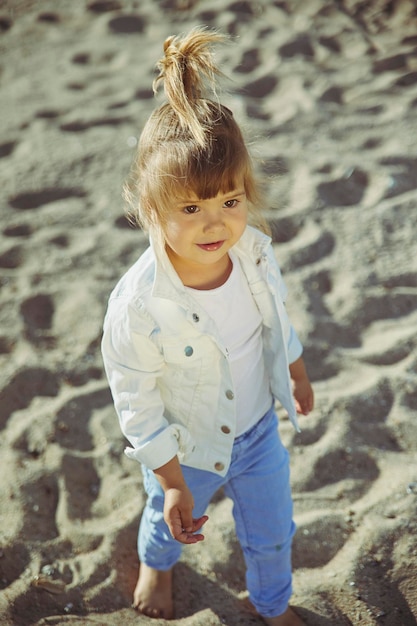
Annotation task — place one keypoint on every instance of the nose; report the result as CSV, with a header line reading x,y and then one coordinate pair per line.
x,y
214,220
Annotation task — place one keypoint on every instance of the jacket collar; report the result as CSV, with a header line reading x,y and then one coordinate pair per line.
x,y
167,284
252,244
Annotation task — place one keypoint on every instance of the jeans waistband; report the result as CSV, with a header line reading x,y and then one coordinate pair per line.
x,y
257,428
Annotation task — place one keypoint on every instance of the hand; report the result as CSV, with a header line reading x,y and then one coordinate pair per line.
x,y
179,503
178,509
303,396
302,389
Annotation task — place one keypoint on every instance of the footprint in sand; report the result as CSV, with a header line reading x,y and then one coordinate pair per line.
x,y
26,384
402,175
29,200
12,258
18,230
328,534
299,46
354,470
104,6
37,313
284,229
82,485
49,17
346,191
14,562
39,508
7,148
79,126
249,62
380,306
127,24
377,583
367,414
5,23
320,247
71,433
6,345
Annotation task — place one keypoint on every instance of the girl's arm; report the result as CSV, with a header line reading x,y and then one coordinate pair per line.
x,y
134,365
179,503
302,390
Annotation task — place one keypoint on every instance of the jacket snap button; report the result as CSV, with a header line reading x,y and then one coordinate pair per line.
x,y
225,430
229,394
219,466
188,351
196,318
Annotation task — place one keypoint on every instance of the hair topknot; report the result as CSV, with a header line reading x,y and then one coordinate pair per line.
x,y
189,75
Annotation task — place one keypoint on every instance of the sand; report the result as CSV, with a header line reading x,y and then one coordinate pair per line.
x,y
327,94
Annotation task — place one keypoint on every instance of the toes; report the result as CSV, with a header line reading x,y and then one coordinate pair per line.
x,y
147,610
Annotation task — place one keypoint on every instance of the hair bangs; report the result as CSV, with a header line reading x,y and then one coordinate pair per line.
x,y
204,173
216,172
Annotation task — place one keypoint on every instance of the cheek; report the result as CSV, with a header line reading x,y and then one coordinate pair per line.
x,y
171,230
176,235
242,222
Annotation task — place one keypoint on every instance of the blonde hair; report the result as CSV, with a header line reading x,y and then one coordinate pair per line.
x,y
191,143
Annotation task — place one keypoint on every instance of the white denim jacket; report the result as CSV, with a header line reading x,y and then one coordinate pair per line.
x,y
168,369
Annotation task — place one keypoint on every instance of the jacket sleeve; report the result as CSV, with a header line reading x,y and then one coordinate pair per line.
x,y
134,367
294,346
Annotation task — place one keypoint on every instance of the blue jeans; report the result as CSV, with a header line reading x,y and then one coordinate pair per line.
x,y
258,484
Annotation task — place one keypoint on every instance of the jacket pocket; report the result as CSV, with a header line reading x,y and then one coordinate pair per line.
x,y
186,375
187,352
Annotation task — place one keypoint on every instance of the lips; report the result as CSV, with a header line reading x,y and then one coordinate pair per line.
x,y
211,247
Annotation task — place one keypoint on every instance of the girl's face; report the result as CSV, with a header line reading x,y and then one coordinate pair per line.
x,y
199,234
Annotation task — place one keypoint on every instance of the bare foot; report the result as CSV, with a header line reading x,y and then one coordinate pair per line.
x,y
289,618
153,593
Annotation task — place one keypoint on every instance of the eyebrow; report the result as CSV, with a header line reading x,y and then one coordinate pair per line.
x,y
236,192
228,195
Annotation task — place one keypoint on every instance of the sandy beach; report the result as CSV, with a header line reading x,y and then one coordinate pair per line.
x,y
326,92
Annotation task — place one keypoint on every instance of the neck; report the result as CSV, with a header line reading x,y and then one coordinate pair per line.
x,y
202,277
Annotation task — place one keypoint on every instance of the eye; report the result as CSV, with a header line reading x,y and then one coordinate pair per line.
x,y
231,204
190,210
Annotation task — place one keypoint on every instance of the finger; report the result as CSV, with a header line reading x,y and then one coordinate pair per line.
x,y
303,406
309,404
176,530
189,538
175,524
187,520
192,536
306,409
199,522
182,533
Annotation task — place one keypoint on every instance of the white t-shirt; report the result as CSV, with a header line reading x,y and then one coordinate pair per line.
x,y
239,323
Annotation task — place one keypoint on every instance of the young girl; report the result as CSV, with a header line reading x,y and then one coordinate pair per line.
x,y
197,344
